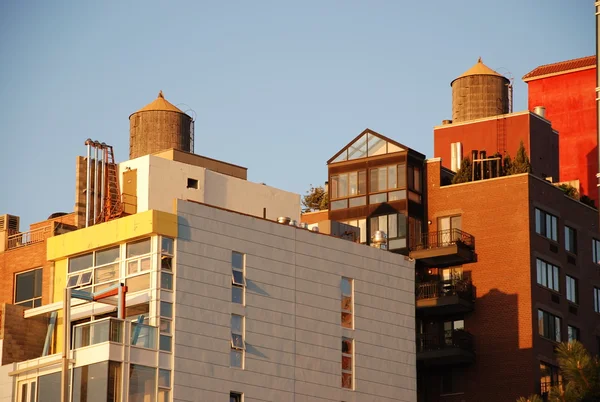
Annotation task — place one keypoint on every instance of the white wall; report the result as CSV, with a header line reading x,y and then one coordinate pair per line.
x,y
6,383
160,181
293,308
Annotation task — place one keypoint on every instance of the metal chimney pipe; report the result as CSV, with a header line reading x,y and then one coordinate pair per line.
x,y
97,177
104,158
88,142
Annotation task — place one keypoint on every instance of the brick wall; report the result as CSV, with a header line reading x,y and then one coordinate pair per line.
x,y
496,213
22,339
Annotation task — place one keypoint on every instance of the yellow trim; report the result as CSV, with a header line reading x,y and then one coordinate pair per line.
x,y
112,232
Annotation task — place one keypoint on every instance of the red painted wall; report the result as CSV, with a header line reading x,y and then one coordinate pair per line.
x,y
571,107
540,142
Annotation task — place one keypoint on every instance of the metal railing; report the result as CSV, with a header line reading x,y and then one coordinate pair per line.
x,y
26,238
443,238
431,290
455,339
113,330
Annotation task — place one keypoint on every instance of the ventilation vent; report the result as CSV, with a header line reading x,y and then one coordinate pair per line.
x,y
554,248
9,223
571,259
573,310
556,299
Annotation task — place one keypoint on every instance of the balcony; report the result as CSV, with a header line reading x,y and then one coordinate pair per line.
x,y
446,348
445,297
444,248
113,330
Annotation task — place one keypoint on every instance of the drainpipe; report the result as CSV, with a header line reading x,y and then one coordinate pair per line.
x,y
88,143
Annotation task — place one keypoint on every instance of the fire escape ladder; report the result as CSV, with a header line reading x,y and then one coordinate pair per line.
x,y
113,206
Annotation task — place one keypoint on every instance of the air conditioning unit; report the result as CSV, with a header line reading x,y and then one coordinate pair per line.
x,y
9,223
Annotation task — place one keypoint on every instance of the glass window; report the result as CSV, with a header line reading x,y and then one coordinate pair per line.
x,y
347,362
374,179
377,146
166,309
377,198
235,397
49,387
142,383
339,204
166,281
596,251
357,201
596,300
107,256
572,291
165,343
417,179
392,181
97,382
81,262
397,195
401,176
237,341
549,377
334,181
353,180
347,303
238,280
343,185
138,283
358,149
549,326
572,333
570,240
164,378
167,246
28,288
547,275
546,224
362,182
138,248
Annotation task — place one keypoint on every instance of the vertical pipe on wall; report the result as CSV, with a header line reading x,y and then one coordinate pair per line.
x,y
96,178
104,153
88,198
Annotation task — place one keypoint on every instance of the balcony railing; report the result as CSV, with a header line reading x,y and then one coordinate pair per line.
x,y
457,339
432,290
112,330
26,238
443,238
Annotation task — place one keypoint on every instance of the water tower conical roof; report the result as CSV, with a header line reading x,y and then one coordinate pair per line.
x,y
160,104
478,69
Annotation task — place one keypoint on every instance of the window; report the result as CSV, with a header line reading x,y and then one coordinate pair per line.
x,y
572,333
238,345
97,382
138,263
394,225
166,263
546,224
596,251
570,240
235,397
164,385
547,275
387,178
549,377
49,387
192,183
414,178
549,325
452,381
349,184
596,300
347,363
28,288
572,289
347,303
362,225
165,342
26,391
448,229
238,279
142,383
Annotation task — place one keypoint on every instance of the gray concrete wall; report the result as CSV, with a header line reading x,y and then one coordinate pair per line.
x,y
293,313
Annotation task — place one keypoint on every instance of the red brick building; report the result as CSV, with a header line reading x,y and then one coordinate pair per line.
x,y
506,271
567,92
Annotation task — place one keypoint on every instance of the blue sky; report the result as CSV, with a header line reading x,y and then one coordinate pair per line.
x,y
277,86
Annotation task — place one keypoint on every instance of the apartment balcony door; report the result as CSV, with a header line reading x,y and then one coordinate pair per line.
x,y
446,226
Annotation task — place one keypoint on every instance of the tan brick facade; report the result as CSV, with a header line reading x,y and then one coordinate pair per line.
x,y
22,339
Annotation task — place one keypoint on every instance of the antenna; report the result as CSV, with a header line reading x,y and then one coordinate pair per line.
x,y
511,80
